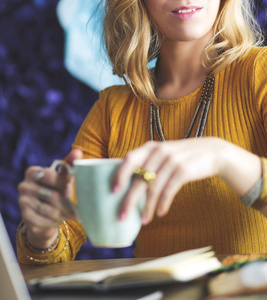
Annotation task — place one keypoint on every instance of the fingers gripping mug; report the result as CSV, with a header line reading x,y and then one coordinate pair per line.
x,y
98,207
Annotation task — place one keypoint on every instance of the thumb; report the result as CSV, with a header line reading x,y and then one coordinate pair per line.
x,y
64,171
75,153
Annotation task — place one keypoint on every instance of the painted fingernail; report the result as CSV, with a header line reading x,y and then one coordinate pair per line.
x,y
123,216
160,212
144,220
116,189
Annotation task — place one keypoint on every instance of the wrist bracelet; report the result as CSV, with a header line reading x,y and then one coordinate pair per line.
x,y
253,194
36,249
49,259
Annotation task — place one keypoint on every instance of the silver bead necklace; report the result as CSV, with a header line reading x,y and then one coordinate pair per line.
x,y
202,110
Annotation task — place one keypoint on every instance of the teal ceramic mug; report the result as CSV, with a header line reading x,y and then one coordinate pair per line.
x,y
98,207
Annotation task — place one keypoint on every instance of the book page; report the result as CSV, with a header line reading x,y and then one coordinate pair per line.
x,y
165,267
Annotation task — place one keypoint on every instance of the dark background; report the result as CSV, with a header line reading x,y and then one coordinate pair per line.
x,y
41,105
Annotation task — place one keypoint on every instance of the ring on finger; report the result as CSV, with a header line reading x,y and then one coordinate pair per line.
x,y
40,209
44,195
147,176
39,175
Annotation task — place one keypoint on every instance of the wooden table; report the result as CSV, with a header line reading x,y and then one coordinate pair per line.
x,y
192,291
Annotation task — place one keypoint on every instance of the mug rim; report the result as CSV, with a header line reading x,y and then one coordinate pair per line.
x,y
96,161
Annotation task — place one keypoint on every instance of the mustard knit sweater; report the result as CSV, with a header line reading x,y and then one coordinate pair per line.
x,y
205,212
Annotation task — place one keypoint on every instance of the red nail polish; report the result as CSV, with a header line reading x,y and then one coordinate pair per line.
x,y
144,220
160,212
116,189
123,216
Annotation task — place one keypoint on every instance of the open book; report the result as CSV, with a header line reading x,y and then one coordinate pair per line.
x,y
180,267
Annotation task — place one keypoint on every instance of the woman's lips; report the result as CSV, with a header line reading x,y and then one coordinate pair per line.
x,y
186,12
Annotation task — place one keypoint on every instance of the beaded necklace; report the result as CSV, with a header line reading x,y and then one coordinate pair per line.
x,y
202,109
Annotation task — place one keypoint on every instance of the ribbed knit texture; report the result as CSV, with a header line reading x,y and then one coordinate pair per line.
x,y
205,212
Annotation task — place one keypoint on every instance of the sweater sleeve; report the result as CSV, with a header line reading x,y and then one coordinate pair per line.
x,y
93,135
260,84
72,237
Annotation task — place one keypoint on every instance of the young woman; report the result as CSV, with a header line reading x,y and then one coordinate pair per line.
x,y
197,122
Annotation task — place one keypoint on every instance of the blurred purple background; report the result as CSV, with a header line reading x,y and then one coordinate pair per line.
x,y
41,105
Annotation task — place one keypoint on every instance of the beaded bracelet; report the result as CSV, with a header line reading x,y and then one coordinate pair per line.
x,y
45,250
39,250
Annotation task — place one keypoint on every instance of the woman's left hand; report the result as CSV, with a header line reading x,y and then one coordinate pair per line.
x,y
177,163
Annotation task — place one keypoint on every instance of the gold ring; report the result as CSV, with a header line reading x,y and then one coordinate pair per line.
x,y
44,195
147,176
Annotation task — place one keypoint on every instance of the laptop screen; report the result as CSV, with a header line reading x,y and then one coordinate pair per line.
x,y
12,284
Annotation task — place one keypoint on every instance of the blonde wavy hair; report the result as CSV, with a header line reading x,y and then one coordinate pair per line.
x,y
132,41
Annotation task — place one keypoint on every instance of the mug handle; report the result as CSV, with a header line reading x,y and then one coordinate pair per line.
x,y
56,166
58,163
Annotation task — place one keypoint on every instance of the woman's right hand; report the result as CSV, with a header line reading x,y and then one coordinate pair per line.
x,y
43,199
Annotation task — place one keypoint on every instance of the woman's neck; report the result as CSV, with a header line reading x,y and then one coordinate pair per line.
x,y
179,70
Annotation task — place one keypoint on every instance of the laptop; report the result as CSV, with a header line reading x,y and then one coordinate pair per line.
x,y
13,286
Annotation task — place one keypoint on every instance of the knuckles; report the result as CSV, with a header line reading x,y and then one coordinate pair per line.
x,y
128,158
150,143
22,187
30,171
160,149
171,159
